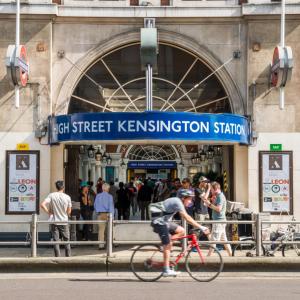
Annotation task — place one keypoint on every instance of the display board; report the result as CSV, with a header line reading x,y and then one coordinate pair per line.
x,y
22,182
276,182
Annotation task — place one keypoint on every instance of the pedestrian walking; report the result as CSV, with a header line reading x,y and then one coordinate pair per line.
x,y
132,191
86,210
144,199
123,202
58,206
202,193
218,206
113,191
104,204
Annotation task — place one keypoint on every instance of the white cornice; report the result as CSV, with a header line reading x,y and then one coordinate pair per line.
x,y
142,12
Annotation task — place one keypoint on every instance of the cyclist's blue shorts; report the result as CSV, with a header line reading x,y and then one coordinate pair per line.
x,y
164,231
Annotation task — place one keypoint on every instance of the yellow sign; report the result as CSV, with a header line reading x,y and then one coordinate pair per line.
x,y
22,146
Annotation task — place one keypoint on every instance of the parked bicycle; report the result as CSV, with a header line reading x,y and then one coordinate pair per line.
x,y
147,260
280,235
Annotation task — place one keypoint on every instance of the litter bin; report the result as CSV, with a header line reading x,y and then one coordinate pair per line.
x,y
245,229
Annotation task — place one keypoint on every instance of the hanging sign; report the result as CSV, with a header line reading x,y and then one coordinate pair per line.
x,y
22,182
276,186
151,126
282,66
17,65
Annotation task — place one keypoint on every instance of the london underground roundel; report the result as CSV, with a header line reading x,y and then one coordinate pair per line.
x,y
277,66
22,71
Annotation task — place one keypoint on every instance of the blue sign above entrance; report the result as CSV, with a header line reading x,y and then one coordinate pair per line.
x,y
141,164
150,126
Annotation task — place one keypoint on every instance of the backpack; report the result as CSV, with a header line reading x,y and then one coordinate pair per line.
x,y
157,210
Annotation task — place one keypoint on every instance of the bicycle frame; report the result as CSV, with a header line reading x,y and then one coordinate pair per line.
x,y
193,243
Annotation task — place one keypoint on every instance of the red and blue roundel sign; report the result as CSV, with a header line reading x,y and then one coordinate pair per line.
x,y
22,66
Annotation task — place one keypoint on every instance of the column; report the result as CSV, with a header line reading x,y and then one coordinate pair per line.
x,y
93,173
85,171
103,173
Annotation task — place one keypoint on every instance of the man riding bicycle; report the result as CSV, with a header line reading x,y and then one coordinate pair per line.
x,y
161,216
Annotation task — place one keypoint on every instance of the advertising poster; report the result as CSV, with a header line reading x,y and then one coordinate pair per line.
x,y
276,191
22,182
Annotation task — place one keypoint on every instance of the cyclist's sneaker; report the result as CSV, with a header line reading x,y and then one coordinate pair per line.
x,y
194,249
170,273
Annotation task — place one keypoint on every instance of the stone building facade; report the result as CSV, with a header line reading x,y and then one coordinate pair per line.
x,y
65,39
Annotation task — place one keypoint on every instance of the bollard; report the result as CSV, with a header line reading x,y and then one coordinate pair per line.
x,y
258,236
33,235
184,241
109,235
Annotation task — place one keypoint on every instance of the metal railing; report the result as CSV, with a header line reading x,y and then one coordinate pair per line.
x,y
16,243
110,241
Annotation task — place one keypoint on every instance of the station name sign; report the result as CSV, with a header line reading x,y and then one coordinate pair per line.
x,y
154,125
141,164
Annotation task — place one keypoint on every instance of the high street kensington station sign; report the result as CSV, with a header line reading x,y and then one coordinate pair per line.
x,y
151,126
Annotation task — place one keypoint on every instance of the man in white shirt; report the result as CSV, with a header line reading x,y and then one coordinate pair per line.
x,y
58,206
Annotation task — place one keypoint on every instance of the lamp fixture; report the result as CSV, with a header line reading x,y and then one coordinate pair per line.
x,y
104,158
91,152
202,155
81,149
98,155
210,152
122,164
109,160
217,150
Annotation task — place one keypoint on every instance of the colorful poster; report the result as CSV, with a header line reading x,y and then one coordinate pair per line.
x,y
276,182
22,184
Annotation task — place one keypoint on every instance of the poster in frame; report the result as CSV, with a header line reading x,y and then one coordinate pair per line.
x,y
22,182
276,182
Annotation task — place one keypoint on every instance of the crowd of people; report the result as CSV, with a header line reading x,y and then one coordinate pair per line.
x,y
131,201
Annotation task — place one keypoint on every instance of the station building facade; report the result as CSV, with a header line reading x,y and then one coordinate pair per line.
x,y
214,57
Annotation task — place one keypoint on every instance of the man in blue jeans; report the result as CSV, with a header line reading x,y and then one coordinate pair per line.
x,y
161,216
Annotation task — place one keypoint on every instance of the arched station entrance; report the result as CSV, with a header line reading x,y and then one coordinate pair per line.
x,y
115,83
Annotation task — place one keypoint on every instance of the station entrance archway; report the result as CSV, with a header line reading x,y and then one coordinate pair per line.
x,y
115,83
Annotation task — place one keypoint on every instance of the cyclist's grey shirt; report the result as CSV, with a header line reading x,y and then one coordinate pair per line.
x,y
166,209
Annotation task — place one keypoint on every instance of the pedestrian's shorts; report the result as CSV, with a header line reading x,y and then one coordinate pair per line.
x,y
164,231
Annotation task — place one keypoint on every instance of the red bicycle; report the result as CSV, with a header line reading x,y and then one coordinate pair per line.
x,y
147,260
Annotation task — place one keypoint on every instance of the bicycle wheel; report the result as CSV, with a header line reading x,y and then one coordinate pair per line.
x,y
238,250
147,262
204,268
296,247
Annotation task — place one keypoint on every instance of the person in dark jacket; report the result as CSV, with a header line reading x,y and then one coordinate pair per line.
x,y
86,210
123,202
144,199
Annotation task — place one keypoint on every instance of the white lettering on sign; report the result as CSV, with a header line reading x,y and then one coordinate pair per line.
x,y
229,128
93,126
152,126
63,128
162,126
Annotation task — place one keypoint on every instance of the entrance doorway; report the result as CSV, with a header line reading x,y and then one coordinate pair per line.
x,y
115,83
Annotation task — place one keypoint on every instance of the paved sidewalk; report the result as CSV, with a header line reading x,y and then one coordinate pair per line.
x,y
90,258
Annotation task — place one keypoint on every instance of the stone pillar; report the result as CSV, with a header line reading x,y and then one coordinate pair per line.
x,y
93,173
57,165
103,173
241,174
85,171
80,168
98,171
